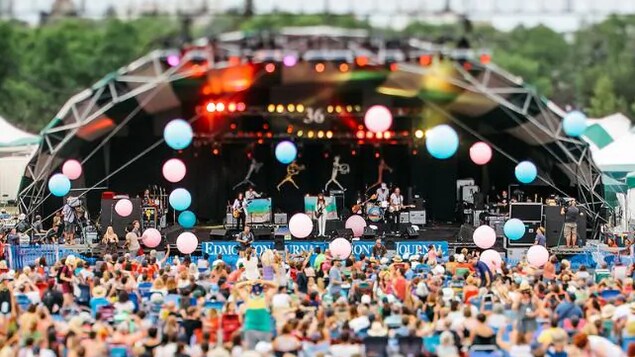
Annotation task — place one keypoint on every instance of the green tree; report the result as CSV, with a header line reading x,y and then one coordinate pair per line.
x,y
604,100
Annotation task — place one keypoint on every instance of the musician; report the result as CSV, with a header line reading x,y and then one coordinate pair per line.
x,y
396,204
383,193
239,209
147,199
503,202
251,194
320,214
245,239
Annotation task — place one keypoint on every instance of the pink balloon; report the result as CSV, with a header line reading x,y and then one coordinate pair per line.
x,y
72,169
537,255
480,153
484,237
174,170
300,225
378,119
340,248
186,242
357,224
492,258
123,207
151,237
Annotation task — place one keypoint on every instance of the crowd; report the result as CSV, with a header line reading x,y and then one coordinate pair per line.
x,y
277,304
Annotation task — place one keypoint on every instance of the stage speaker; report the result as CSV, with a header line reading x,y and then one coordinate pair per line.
x,y
528,238
369,233
412,233
110,218
218,234
465,233
332,225
554,224
404,217
526,212
419,203
262,233
344,233
479,200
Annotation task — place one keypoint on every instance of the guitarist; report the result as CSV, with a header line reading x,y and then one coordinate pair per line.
x,y
244,239
239,210
320,214
396,204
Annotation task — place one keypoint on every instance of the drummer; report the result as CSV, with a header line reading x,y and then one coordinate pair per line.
x,y
382,195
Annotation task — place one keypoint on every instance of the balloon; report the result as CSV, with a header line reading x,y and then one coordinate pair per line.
x,y
186,242
514,229
378,119
300,225
180,199
526,172
484,237
286,152
178,134
574,123
340,248
187,219
537,255
357,224
492,258
123,207
72,169
174,170
442,141
59,185
480,153
151,237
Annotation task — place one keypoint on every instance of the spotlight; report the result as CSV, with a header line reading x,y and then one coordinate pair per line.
x,y
343,67
414,152
210,107
215,151
280,108
425,60
379,135
326,154
220,107
468,66
260,141
329,109
270,67
349,108
300,108
271,108
173,60
419,134
387,135
376,155
329,134
291,108
360,134
231,107
369,135
311,134
338,109
486,58
232,126
361,61
241,107
320,134
353,152
319,67
300,133
289,129
393,67
358,108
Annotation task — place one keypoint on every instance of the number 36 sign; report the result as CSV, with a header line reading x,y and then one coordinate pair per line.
x,y
314,116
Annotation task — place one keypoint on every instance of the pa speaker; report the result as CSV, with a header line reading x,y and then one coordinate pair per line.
x,y
110,218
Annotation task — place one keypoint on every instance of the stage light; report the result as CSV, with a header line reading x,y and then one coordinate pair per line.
x,y
259,134
468,66
394,66
232,126
358,108
329,109
361,61
271,108
343,67
379,135
414,152
320,134
260,141
215,151
360,134
265,126
419,134
234,60
300,133
220,107
353,152
269,135
311,134
173,60
329,134
376,155
486,58
280,108
289,129
241,107
387,135
349,108
425,60
360,127
369,135
326,154
231,107
320,67
300,108
338,109
289,60
210,107
270,67
291,108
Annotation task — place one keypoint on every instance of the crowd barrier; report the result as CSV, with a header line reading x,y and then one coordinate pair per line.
x,y
20,256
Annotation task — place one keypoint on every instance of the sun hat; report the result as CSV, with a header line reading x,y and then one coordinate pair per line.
x,y
99,291
377,330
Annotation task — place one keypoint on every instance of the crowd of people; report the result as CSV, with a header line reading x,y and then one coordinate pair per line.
x,y
278,304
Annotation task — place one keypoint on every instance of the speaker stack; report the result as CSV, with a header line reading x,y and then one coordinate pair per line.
x,y
531,215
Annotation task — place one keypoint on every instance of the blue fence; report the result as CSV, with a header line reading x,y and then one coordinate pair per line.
x,y
21,256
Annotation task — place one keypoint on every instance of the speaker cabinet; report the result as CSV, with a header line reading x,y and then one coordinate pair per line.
x,y
528,238
554,224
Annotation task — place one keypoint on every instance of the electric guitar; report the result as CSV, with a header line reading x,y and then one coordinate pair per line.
x,y
357,208
397,208
319,212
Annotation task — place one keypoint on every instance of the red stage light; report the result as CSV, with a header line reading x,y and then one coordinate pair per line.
x,y
270,67
379,135
486,58
232,126
259,134
361,61
269,135
343,67
376,155
215,151
360,127
260,141
369,135
289,129
387,135
360,134
326,155
210,107
414,151
425,60
319,67
241,107
220,107
393,67
265,126
231,107
353,152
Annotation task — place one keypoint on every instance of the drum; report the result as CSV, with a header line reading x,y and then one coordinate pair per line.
x,y
375,214
368,206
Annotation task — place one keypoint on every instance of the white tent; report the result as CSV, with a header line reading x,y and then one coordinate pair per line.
x,y
612,143
16,148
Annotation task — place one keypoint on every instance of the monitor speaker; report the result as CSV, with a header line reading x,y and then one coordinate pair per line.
x,y
412,233
344,233
262,233
554,223
218,234
369,233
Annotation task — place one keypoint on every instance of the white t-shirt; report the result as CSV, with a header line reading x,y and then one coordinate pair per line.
x,y
345,350
520,351
281,301
382,194
251,268
607,348
359,323
396,200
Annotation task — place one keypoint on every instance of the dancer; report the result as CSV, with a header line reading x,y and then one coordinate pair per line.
x,y
320,214
292,170
253,167
337,169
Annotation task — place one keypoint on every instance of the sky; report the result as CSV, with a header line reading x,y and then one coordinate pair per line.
x,y
503,14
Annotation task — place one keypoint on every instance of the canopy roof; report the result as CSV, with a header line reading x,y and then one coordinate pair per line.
x,y
10,136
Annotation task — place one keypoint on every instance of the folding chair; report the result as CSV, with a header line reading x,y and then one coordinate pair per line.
x,y
376,346
410,346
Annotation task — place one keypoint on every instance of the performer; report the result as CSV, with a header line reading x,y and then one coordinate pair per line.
x,y
503,202
383,193
292,170
396,204
251,194
111,240
253,167
320,214
337,169
570,229
70,221
244,239
239,211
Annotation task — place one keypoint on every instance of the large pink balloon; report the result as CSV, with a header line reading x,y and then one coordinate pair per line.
x,y
357,224
340,248
378,119
123,207
537,255
151,237
480,153
186,242
174,170
492,258
72,169
484,237
300,225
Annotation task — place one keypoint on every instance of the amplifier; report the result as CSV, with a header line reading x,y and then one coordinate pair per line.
x,y
280,218
418,217
230,221
404,217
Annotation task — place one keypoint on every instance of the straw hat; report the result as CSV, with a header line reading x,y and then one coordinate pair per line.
x,y
397,259
608,311
377,330
524,286
3,265
99,291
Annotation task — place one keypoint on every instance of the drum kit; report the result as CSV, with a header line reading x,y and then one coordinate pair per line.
x,y
375,211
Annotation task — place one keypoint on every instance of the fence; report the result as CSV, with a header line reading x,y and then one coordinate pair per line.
x,y
21,256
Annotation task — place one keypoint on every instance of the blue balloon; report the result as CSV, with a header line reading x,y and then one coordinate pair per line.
x,y
187,219
514,229
442,141
59,185
178,134
286,152
574,123
526,172
180,199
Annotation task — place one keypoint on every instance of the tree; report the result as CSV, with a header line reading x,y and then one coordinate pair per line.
x,y
604,100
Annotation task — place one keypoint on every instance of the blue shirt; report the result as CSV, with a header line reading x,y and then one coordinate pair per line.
x,y
567,310
483,270
96,303
335,276
541,240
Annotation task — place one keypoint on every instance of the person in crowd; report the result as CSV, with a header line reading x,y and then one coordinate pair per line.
x,y
540,237
379,249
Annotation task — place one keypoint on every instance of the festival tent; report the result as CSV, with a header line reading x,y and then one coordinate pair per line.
x,y
16,148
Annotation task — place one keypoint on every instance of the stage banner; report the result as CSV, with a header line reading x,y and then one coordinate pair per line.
x,y
421,247
311,201
229,250
259,210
